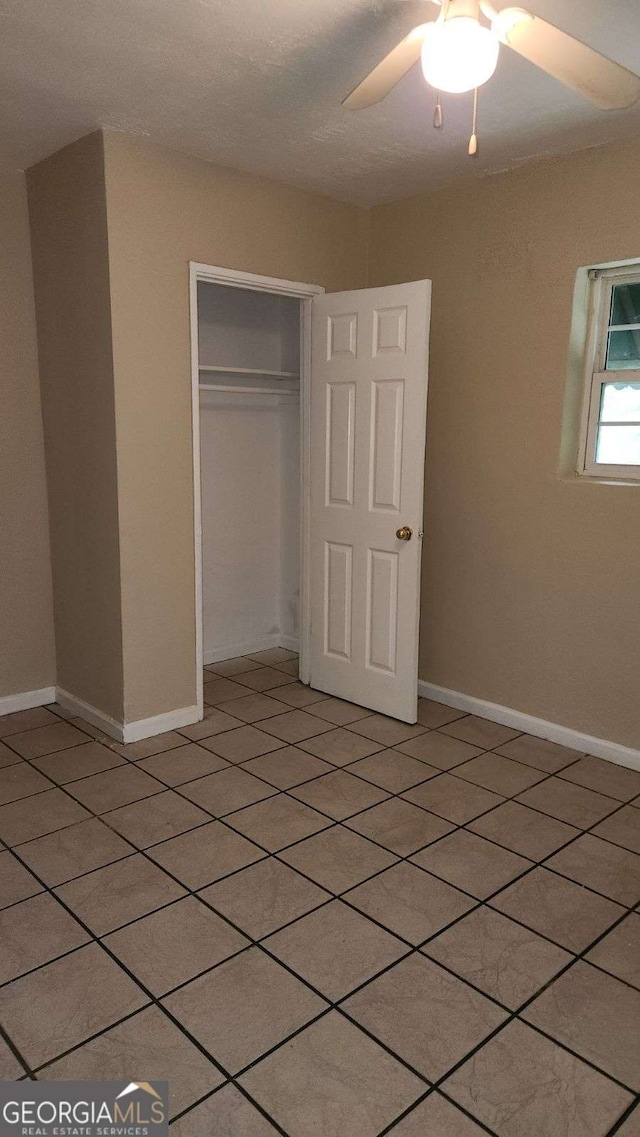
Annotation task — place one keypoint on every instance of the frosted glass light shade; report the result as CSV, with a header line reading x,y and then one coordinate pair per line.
x,y
459,54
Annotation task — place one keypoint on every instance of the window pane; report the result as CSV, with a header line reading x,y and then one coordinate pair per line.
x,y
620,402
623,351
618,445
625,304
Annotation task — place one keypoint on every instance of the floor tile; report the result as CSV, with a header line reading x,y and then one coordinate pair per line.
x,y
295,726
33,817
568,802
33,932
332,1080
523,1085
287,767
385,730
214,722
337,859
426,1016
264,897
81,848
148,1041
335,949
177,943
340,713
290,667
10,1068
114,788
300,695
118,893
277,822
619,951
595,1015
234,666
436,1117
399,826
547,756
438,750
502,775
602,866
340,746
243,1008
226,1113
605,777
242,744
392,771
79,762
411,903
434,715
452,798
182,765
21,781
46,739
272,655
339,794
8,757
623,828
480,732
227,790
532,834
565,912
156,819
62,1004
148,746
471,863
255,706
224,691
503,959
26,720
265,679
16,882
205,854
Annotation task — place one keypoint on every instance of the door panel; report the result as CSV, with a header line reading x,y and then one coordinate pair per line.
x,y
368,422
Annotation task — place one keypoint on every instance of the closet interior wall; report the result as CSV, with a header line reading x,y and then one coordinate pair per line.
x,y
249,366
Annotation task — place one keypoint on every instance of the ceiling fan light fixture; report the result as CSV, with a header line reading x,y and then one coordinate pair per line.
x,y
459,54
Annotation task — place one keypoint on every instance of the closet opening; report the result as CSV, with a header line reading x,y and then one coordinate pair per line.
x,y
250,342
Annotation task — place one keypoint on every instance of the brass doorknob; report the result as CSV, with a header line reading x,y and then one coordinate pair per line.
x,y
404,533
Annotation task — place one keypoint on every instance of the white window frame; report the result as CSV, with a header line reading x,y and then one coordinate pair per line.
x,y
601,283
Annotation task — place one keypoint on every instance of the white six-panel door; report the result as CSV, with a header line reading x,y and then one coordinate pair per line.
x,y
368,422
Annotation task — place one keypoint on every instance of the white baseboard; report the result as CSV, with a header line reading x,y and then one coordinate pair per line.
x,y
248,647
528,724
90,714
128,731
159,724
26,700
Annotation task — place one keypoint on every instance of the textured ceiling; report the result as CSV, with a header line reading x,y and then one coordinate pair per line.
x,y
256,84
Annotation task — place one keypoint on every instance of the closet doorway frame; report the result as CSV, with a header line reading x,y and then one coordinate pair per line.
x,y
235,278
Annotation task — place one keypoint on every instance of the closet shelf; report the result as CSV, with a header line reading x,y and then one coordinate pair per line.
x,y
237,388
249,371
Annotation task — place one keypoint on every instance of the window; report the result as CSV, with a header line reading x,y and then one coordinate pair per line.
x,y
610,439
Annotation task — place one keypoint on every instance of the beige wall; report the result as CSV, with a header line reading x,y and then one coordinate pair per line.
x,y
531,579
165,209
71,274
26,624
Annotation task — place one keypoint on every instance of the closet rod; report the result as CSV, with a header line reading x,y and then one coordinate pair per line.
x,y
246,390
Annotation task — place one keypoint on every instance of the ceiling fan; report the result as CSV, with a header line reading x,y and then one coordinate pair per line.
x,y
459,52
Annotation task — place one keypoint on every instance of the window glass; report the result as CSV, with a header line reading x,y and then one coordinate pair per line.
x,y
618,445
620,402
625,304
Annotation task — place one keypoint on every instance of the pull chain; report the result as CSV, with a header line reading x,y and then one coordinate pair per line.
x,y
473,141
437,115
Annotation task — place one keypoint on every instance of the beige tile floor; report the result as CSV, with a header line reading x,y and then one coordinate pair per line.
x,y
314,920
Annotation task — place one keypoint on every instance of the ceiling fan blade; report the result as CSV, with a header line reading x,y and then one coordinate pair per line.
x,y
579,67
390,71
